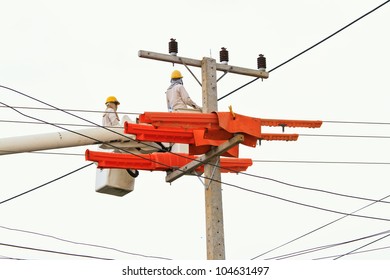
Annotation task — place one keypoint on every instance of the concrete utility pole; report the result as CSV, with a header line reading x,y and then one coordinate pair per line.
x,y
212,173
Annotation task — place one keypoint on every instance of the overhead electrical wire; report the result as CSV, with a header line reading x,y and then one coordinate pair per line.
x,y
321,162
83,243
318,228
370,243
354,253
261,177
329,210
304,204
324,247
47,183
301,135
52,251
309,48
68,110
133,113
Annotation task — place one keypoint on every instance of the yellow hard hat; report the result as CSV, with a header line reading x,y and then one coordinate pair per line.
x,y
112,99
176,74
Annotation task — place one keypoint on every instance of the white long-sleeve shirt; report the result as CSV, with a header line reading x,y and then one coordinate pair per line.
x,y
110,118
178,98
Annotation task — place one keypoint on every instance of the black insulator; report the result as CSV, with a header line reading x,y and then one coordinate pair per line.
x,y
173,47
224,55
261,63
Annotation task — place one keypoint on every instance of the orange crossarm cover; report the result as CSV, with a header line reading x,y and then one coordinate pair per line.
x,y
225,120
279,137
159,161
183,120
146,132
291,123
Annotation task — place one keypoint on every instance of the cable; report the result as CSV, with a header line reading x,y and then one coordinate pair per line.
x,y
29,122
324,247
304,204
372,242
85,125
152,160
132,113
68,110
49,182
97,125
10,258
51,251
308,188
353,253
221,181
322,162
84,244
321,227
313,46
348,136
358,122
199,175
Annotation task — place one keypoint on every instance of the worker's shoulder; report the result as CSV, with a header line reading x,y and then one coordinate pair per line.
x,y
109,110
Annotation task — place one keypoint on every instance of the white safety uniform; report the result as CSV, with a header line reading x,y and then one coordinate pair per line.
x,y
178,98
110,118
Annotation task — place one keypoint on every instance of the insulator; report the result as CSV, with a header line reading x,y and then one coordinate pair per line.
x,y
173,47
224,56
261,62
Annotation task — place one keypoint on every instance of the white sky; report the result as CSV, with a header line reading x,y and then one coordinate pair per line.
x,y
73,54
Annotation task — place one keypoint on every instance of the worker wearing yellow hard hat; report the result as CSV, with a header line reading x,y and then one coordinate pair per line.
x,y
110,116
176,74
112,99
176,95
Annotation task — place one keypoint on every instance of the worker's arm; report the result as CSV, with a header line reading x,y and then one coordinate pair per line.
x,y
186,98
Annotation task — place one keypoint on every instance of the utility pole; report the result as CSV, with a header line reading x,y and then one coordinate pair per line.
x,y
213,193
212,173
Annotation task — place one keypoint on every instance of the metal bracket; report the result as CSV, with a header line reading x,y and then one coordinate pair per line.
x,y
188,168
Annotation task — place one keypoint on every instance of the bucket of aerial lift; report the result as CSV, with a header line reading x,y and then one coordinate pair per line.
x,y
114,181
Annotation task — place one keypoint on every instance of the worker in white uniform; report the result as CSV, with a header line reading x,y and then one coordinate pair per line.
x,y
110,116
177,96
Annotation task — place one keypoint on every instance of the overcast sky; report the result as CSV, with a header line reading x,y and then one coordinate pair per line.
x,y
73,54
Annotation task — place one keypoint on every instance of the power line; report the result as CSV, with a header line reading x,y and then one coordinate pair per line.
x,y
133,113
204,177
322,162
306,50
52,251
357,122
308,188
86,125
346,135
324,247
82,243
372,242
302,204
354,253
47,183
68,110
318,228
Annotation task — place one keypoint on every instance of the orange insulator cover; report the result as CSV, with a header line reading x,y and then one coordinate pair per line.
x,y
159,161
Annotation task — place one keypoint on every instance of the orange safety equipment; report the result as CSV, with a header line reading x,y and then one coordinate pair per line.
x,y
160,161
176,74
202,131
112,99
